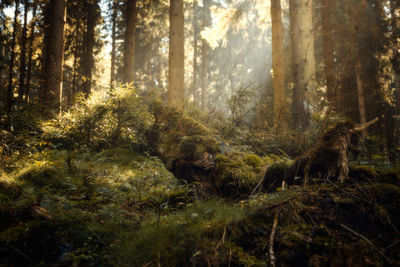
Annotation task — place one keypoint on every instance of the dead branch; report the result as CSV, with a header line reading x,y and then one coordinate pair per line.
x,y
272,239
368,241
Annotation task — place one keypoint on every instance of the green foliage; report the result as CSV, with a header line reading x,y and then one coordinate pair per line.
x,y
103,120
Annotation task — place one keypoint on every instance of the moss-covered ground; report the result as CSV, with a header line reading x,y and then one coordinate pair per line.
x,y
163,189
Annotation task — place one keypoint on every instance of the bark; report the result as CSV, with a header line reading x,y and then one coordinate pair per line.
x,y
22,67
195,85
360,96
280,114
10,89
53,55
176,56
30,54
204,56
303,61
88,57
327,10
130,41
113,44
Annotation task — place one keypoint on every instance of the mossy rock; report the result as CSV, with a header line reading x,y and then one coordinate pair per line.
x,y
274,175
238,172
194,147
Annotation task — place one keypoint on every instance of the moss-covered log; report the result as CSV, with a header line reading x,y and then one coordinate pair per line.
x,y
192,152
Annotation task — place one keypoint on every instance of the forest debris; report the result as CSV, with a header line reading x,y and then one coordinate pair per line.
x,y
329,157
272,239
368,241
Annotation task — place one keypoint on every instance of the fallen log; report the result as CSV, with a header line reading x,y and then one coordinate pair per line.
x,y
192,152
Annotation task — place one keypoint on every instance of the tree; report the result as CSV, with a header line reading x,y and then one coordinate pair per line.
x,y
303,61
328,18
91,8
130,41
10,88
205,56
280,114
114,39
30,53
22,66
53,54
176,55
196,32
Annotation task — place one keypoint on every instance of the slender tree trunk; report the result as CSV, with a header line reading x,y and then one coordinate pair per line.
x,y
280,113
130,41
361,98
204,56
303,61
72,93
328,8
88,57
176,55
30,54
113,44
22,66
54,55
10,89
195,86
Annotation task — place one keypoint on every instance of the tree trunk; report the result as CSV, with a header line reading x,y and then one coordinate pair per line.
x,y
204,56
176,55
113,44
22,66
88,57
196,31
361,99
53,55
280,114
130,41
328,7
30,54
303,61
10,89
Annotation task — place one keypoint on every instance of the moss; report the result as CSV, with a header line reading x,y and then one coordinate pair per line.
x,y
42,175
363,172
238,171
194,147
275,175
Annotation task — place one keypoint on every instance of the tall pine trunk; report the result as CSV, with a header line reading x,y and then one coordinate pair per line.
x,y
88,58
113,43
196,31
130,41
327,10
280,113
53,55
22,67
205,57
303,61
30,54
10,88
176,55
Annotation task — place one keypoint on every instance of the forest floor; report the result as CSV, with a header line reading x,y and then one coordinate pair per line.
x,y
121,206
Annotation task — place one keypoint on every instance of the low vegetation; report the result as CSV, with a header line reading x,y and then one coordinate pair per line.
x,y
150,187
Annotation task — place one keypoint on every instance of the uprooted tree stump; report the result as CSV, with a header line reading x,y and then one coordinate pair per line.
x,y
329,157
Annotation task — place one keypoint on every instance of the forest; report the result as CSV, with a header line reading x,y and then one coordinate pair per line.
x,y
200,133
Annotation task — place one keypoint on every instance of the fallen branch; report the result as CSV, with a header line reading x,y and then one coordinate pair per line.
x,y
272,239
19,252
348,193
368,241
